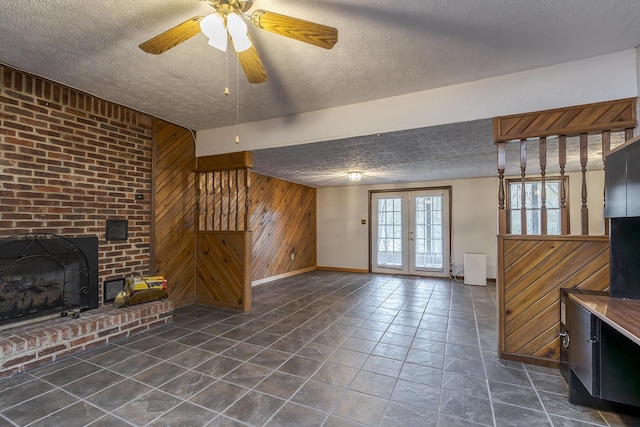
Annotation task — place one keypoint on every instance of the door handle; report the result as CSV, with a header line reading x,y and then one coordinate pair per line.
x,y
565,339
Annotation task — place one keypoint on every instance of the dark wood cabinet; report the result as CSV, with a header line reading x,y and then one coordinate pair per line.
x,y
619,373
583,356
633,180
602,363
622,182
616,185
624,268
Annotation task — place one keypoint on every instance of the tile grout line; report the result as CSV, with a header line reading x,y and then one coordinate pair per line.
x,y
484,365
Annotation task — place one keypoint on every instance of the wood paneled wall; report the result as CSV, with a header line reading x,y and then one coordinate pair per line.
x,y
531,271
174,200
283,222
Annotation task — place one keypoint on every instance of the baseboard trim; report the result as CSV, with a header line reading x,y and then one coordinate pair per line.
x,y
281,276
532,360
346,270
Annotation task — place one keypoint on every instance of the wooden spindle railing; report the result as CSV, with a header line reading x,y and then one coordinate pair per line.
x,y
584,155
523,192
578,121
628,134
223,201
562,162
502,212
543,191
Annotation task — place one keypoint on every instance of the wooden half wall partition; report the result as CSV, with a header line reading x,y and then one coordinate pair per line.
x,y
223,241
531,271
223,269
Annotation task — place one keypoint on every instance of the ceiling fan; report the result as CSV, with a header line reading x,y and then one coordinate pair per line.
x,y
227,23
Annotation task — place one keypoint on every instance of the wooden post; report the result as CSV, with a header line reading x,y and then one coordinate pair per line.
x,y
606,147
502,213
584,211
543,190
523,198
628,134
562,160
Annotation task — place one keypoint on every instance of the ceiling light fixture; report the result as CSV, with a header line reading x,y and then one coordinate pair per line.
x,y
213,26
238,31
354,176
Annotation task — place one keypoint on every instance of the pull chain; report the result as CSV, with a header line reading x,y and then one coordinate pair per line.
x,y
237,101
226,76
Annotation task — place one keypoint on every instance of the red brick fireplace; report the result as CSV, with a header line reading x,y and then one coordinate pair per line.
x,y
69,162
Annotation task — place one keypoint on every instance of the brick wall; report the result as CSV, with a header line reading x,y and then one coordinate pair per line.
x,y
70,161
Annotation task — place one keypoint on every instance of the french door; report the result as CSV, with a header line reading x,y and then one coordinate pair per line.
x,y
410,232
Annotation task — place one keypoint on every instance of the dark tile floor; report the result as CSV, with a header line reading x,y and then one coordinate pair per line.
x,y
318,349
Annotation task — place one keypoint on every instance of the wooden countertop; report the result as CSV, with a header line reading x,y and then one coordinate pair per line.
x,y
622,314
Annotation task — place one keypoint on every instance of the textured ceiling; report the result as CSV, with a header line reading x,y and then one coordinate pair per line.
x,y
454,151
384,49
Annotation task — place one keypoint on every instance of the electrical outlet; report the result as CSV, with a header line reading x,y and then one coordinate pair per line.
x,y
293,256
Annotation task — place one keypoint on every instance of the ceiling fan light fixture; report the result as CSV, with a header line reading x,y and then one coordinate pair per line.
x,y
212,26
219,43
238,31
354,176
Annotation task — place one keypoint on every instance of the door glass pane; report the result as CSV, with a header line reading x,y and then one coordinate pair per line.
x,y
389,242
428,236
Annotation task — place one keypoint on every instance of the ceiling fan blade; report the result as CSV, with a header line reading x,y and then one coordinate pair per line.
x,y
252,65
297,29
173,36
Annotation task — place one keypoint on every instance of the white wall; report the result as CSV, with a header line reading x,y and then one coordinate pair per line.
x,y
595,202
344,243
573,83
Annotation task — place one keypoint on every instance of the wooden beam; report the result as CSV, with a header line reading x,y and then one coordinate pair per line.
x,y
590,118
223,162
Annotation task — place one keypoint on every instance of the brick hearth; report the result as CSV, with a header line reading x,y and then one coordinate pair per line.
x,y
31,346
